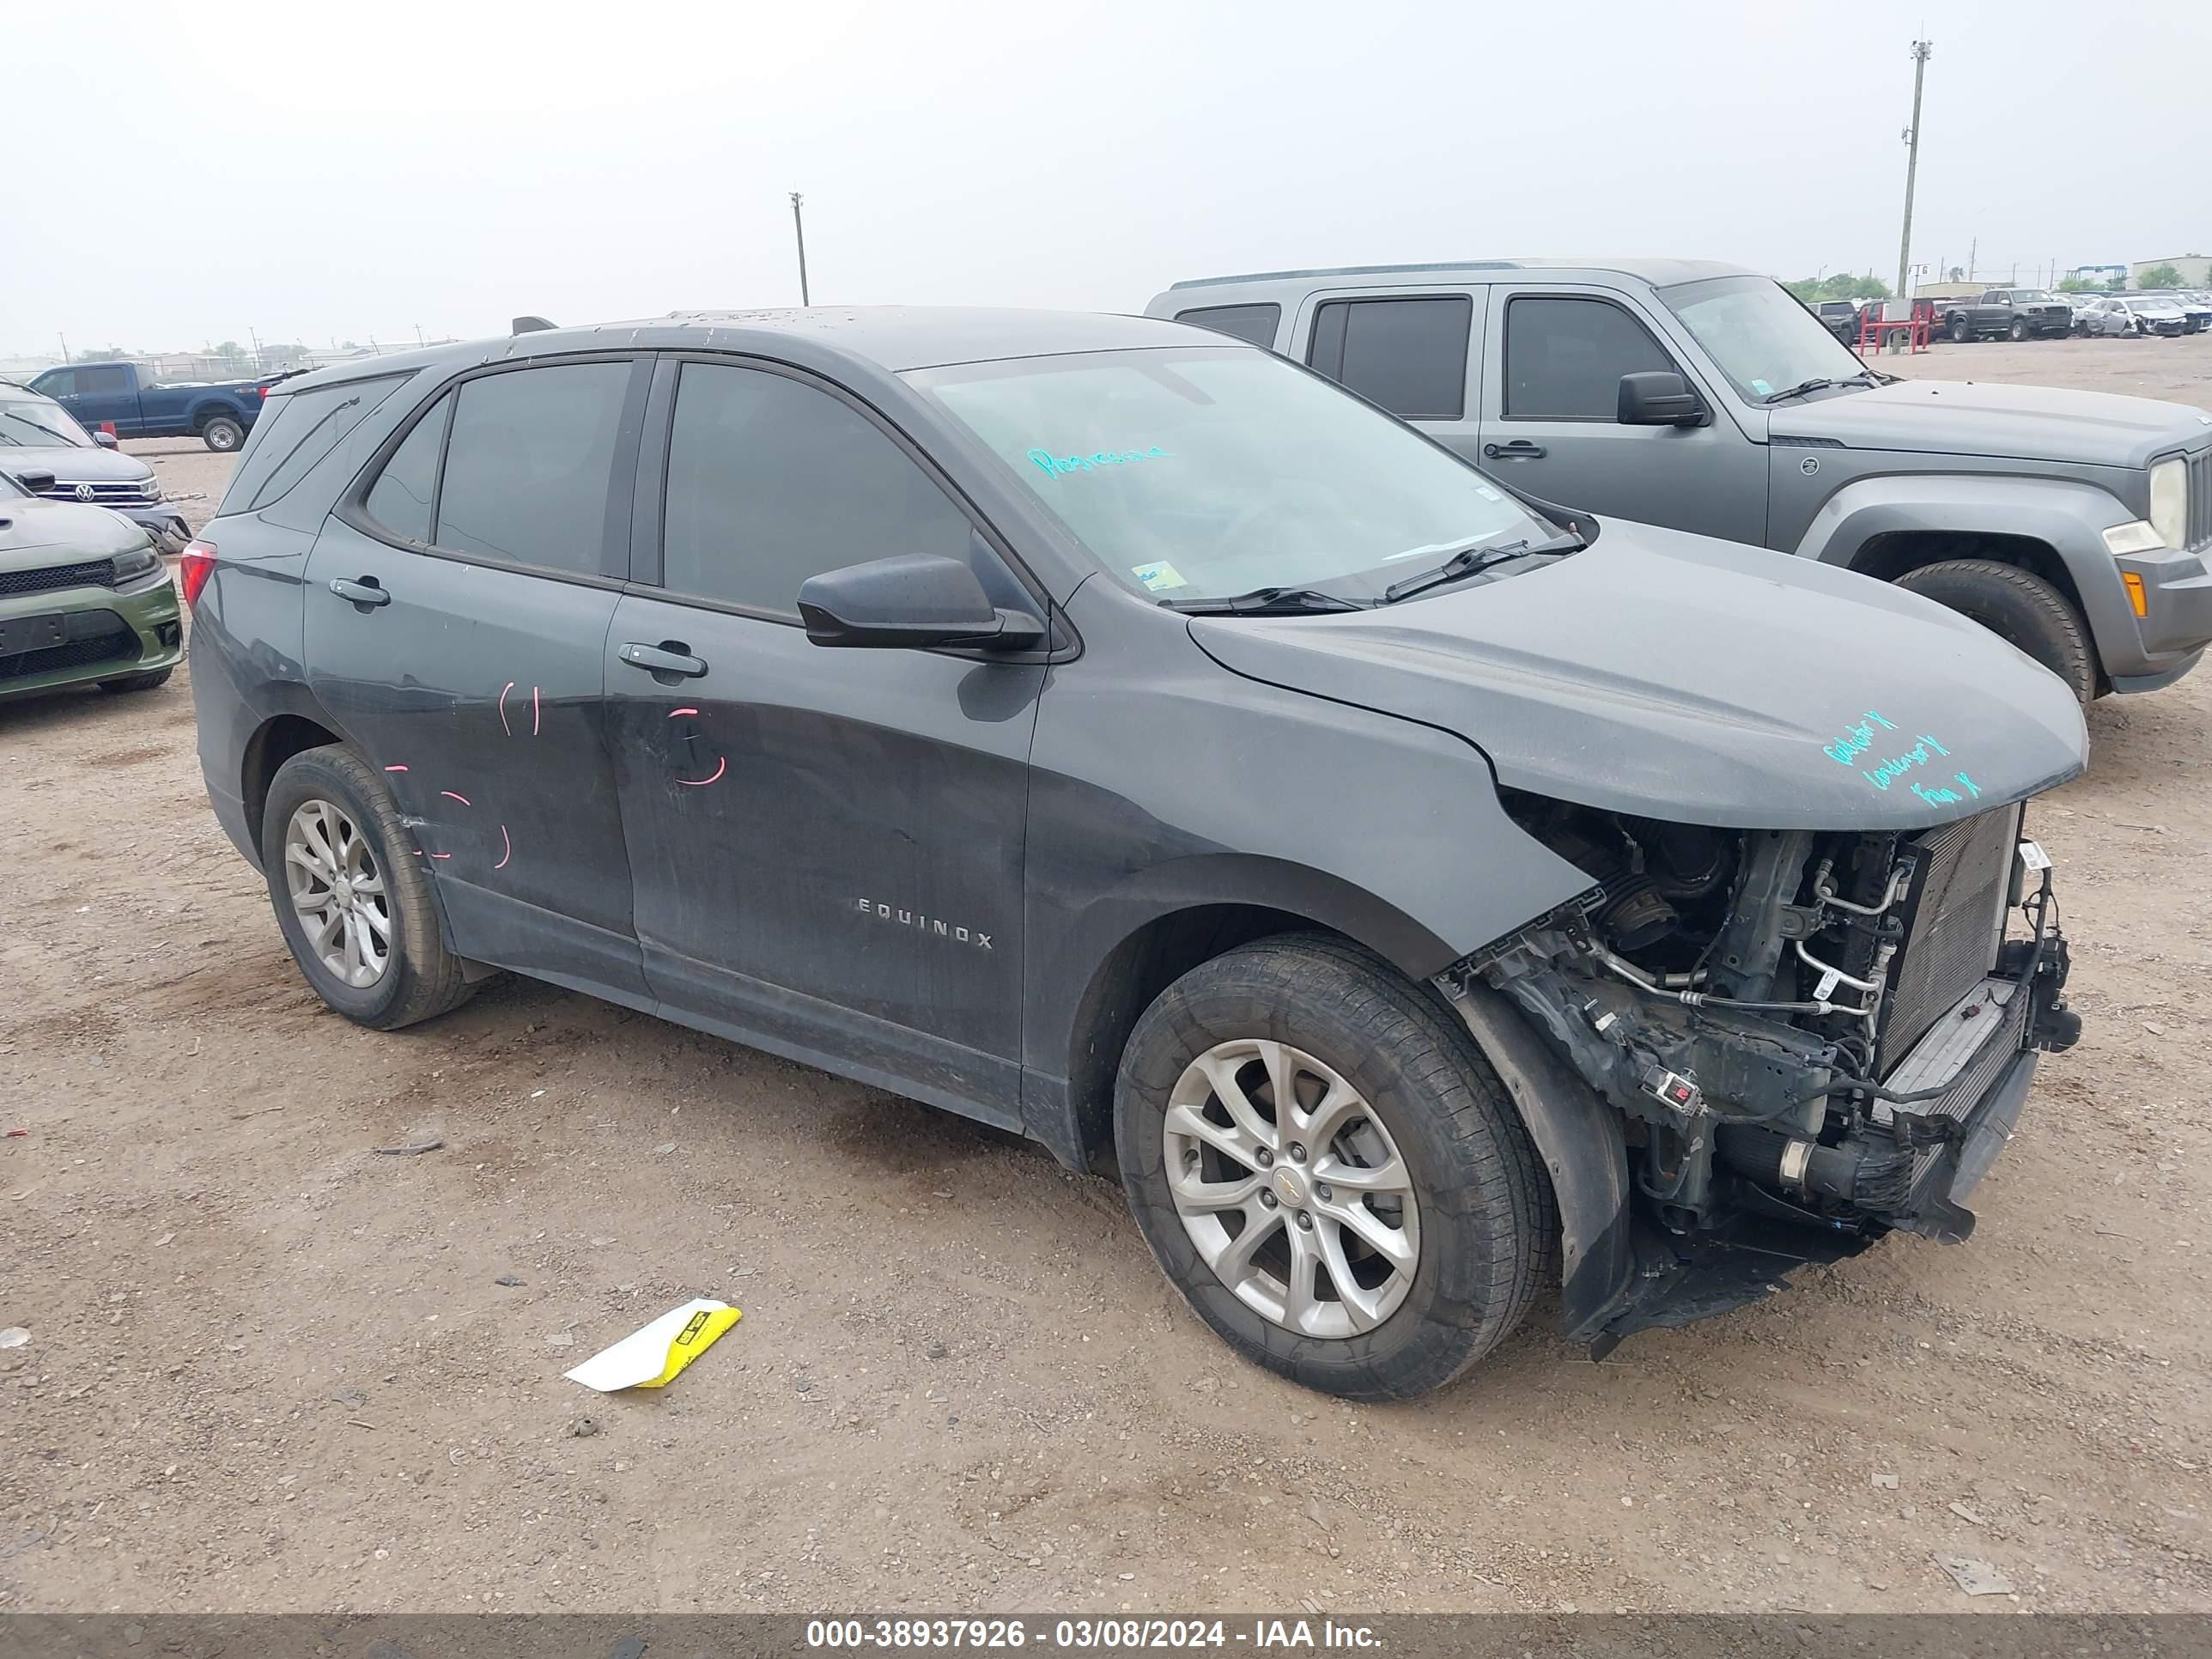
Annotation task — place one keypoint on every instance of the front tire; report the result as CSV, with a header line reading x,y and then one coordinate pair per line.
x,y
223,434
2019,607
2019,330
1328,1168
351,898
1962,330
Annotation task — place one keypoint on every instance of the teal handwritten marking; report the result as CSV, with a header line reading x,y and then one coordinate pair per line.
x,y
1898,765
1054,466
1938,796
1857,739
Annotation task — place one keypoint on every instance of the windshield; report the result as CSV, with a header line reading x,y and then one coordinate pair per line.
x,y
2025,296
37,424
1202,472
1763,340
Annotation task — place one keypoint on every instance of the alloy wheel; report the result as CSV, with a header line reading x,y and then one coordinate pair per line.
x,y
338,892
1290,1188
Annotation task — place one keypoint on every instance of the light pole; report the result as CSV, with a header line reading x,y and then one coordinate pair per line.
x,y
1920,50
798,230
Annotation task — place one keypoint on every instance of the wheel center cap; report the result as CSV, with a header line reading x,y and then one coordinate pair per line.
x,y
1288,1187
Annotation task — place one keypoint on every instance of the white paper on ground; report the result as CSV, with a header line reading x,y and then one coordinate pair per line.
x,y
652,1356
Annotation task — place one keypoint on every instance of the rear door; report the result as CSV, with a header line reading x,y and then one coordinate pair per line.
x,y
1416,353
456,607
1550,401
828,843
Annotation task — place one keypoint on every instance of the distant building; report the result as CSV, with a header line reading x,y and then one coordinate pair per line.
x,y
2195,269
1952,290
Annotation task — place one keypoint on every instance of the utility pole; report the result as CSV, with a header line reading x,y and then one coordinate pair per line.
x,y
418,334
1973,248
63,338
798,230
1920,50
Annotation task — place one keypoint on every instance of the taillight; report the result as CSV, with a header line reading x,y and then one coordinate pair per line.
x,y
264,390
194,569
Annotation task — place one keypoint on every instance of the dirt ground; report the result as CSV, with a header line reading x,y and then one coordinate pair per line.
x,y
268,1369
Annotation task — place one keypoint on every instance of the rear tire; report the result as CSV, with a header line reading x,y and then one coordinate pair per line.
x,y
417,978
223,434
2019,607
1428,1118
151,680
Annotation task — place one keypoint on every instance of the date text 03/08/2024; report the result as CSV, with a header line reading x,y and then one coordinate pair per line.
x,y
1090,1635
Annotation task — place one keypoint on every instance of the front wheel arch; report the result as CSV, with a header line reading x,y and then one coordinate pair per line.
x,y
1892,555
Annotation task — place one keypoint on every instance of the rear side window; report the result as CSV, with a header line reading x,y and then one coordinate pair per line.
x,y
105,379
1409,355
406,490
1565,358
771,480
530,464
1255,324
295,431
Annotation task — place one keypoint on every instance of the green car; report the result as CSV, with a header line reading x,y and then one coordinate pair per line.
x,y
83,597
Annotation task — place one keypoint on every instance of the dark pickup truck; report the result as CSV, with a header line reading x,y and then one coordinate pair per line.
x,y
131,399
2011,313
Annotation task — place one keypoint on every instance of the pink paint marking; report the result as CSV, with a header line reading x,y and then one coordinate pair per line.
x,y
442,855
673,713
450,795
418,852
395,768
533,711
505,843
721,765
503,725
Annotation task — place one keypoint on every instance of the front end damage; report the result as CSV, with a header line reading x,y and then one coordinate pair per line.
x,y
1805,1040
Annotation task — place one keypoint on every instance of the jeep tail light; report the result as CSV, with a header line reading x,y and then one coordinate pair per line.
x,y
194,569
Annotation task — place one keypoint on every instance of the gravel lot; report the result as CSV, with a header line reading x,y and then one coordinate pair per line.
x,y
270,1370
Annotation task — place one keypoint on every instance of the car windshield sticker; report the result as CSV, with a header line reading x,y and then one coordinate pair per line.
x,y
1158,576
1762,387
1054,466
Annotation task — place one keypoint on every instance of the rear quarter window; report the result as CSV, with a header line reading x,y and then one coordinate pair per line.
x,y
1255,324
295,431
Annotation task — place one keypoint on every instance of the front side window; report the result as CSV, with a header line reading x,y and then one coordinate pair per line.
x,y
1409,355
1564,357
529,464
28,423
1255,325
771,480
1758,335
1201,472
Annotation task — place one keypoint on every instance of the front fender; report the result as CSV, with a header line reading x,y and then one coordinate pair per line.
x,y
2068,517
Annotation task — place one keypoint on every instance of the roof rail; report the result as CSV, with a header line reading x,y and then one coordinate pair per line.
x,y
1352,271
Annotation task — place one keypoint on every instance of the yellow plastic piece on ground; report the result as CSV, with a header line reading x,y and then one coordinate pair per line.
x,y
652,1358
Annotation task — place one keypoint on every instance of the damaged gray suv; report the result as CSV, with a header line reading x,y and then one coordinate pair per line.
x,y
1126,736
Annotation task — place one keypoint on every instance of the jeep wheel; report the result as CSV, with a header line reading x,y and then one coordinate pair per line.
x,y
1962,329
2018,607
352,900
1328,1170
2019,331
223,434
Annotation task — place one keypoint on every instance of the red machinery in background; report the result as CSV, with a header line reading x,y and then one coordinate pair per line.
x,y
1876,331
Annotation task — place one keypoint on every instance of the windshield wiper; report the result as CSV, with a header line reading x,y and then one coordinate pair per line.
x,y
1264,602
1818,383
1469,560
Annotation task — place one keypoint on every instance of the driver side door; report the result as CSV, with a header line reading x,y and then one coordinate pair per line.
x,y
1550,426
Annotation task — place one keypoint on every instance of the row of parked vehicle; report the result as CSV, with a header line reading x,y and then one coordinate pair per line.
x,y
1206,742
2034,313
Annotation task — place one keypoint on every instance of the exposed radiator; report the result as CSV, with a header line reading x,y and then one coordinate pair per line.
x,y
1953,916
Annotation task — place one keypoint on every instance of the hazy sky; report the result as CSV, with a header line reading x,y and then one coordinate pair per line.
x,y
182,174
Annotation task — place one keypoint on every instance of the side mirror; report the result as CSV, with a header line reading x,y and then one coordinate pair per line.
x,y
913,600
105,440
1659,398
37,483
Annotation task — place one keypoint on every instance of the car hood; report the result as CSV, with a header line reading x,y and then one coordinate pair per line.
x,y
2018,423
1674,676
70,463
33,532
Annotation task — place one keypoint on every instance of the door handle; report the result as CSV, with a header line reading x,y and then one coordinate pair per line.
x,y
368,593
1519,450
670,657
